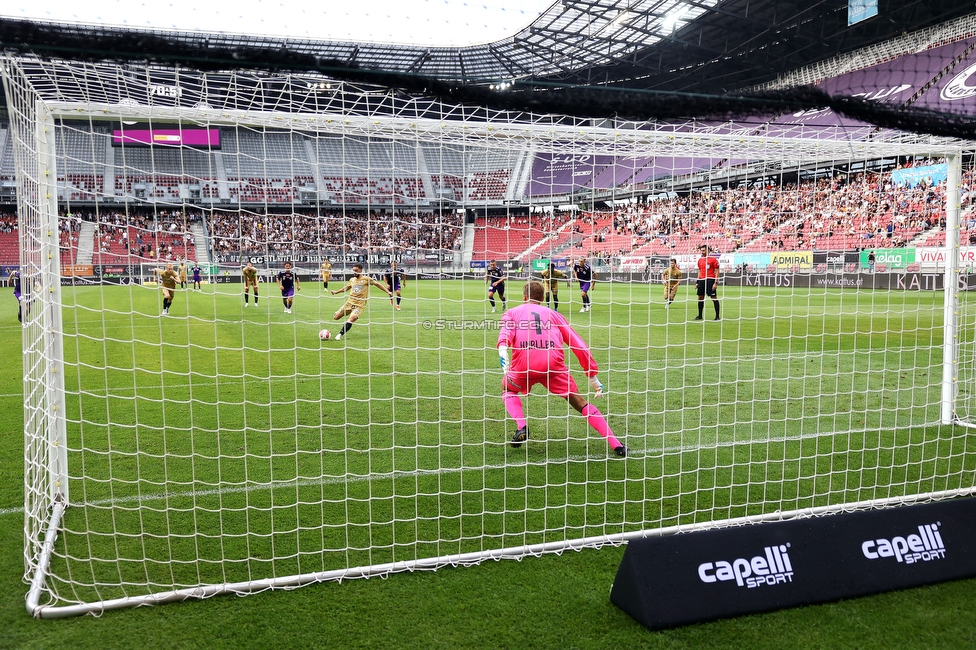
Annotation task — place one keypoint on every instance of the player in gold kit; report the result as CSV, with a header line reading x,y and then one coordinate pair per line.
x,y
326,273
182,270
168,278
358,286
250,280
672,278
550,279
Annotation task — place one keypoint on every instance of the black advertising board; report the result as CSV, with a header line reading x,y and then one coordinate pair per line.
x,y
674,580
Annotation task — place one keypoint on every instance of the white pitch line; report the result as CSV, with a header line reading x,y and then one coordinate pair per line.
x,y
325,480
336,480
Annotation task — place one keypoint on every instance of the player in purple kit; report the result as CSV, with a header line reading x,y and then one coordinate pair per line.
x,y
583,273
536,335
288,283
14,279
394,279
196,277
495,278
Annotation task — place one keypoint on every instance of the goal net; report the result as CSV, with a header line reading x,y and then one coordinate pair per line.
x,y
184,440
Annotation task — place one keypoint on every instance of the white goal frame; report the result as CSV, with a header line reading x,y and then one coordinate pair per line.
x,y
46,482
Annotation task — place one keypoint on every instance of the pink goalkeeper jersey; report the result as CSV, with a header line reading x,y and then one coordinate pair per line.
x,y
536,335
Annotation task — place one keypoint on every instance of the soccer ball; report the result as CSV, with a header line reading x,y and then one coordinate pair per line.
x,y
325,335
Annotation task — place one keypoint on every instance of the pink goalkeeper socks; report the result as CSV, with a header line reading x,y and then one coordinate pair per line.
x,y
514,405
596,420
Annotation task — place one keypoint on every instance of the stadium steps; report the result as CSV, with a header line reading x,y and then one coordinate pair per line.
x,y
86,243
223,191
467,245
424,174
200,243
313,160
920,238
520,178
541,244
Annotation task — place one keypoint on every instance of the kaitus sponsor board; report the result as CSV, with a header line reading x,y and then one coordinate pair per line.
x,y
678,579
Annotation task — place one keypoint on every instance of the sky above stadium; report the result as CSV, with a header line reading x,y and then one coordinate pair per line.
x,y
418,22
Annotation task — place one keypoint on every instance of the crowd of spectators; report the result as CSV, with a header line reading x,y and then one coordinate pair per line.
x,y
841,212
159,235
263,233
866,210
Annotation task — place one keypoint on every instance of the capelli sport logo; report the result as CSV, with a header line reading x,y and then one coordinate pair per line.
x,y
773,567
926,546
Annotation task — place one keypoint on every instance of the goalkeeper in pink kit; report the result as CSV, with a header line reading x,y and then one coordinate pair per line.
x,y
536,335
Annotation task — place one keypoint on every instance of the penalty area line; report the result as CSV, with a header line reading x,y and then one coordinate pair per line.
x,y
633,454
300,483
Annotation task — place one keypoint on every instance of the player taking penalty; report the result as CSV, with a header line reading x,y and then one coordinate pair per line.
x,y
550,279
168,278
358,286
536,335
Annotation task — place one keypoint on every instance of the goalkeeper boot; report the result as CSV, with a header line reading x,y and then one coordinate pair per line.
x,y
520,436
620,451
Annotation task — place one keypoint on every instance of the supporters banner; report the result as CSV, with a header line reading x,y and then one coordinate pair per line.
x,y
678,579
802,259
892,258
912,176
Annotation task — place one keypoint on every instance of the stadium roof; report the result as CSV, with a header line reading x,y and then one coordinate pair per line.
x,y
706,46
427,22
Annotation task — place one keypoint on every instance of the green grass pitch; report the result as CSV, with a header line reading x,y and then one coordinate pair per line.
x,y
240,446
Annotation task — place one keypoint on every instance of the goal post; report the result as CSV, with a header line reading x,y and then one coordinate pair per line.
x,y
213,444
950,373
46,484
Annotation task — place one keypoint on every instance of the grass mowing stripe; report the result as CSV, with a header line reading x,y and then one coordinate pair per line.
x,y
334,480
